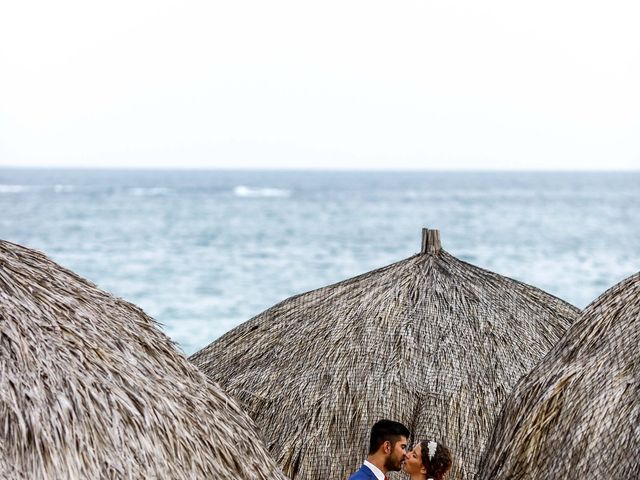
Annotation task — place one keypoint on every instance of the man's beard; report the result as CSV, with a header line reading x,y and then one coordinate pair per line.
x,y
391,466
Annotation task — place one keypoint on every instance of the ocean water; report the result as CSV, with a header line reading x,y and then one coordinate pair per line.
x,y
203,251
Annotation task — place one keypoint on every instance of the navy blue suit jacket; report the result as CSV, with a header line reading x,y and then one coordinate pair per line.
x,y
364,473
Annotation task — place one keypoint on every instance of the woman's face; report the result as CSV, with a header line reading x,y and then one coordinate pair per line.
x,y
413,462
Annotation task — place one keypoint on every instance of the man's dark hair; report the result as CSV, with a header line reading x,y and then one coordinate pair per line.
x,y
384,430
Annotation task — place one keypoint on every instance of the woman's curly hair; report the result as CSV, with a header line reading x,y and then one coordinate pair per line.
x,y
437,464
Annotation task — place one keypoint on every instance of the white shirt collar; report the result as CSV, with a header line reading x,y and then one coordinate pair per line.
x,y
376,471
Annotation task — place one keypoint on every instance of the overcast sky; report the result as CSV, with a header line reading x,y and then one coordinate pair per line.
x,y
550,84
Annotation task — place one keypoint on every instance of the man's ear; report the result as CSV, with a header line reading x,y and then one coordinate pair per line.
x,y
386,447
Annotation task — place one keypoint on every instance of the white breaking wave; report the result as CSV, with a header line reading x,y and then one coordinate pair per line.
x,y
244,191
63,188
147,191
15,188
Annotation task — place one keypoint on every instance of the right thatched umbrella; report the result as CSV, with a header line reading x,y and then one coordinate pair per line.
x,y
430,341
577,414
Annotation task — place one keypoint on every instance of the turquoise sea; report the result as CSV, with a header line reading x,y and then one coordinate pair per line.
x,y
202,251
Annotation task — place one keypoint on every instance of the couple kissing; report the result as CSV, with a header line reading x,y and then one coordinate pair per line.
x,y
388,452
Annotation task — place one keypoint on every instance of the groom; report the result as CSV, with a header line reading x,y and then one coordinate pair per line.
x,y
387,451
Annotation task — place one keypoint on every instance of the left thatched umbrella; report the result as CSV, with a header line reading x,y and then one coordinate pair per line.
x,y
91,388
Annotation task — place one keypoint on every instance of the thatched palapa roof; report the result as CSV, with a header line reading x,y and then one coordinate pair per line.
x,y
90,388
430,341
577,414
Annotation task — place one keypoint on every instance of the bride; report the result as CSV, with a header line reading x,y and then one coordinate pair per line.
x,y
428,460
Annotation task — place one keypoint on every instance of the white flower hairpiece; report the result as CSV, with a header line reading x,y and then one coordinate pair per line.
x,y
432,445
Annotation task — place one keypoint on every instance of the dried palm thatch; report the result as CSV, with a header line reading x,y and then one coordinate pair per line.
x,y
431,341
91,388
577,414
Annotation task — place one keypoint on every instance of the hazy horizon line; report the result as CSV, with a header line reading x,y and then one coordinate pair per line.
x,y
320,169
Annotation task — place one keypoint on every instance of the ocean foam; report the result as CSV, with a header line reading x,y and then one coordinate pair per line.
x,y
15,188
244,191
148,191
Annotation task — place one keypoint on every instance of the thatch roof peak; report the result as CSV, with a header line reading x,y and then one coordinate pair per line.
x,y
430,241
91,388
576,414
431,341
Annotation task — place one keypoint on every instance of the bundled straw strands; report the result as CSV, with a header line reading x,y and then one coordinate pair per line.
x,y
91,389
430,341
577,414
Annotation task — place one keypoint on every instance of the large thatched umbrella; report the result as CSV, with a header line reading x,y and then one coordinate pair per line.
x,y
430,341
91,389
577,414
